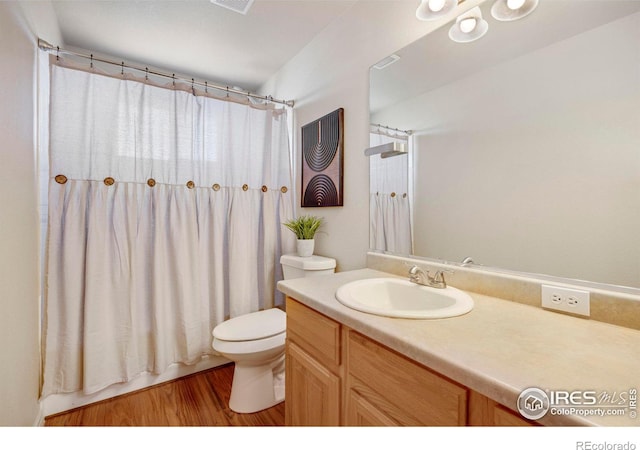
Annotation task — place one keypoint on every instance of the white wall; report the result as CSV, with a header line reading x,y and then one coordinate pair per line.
x,y
333,72
19,229
513,171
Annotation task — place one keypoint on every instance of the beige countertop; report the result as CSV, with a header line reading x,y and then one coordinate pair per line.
x,y
498,349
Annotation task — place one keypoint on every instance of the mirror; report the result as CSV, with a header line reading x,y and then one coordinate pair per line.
x,y
524,152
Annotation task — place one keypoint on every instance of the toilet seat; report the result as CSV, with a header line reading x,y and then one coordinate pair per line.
x,y
249,347
255,326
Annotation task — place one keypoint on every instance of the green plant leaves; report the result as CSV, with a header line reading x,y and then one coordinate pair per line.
x,y
304,227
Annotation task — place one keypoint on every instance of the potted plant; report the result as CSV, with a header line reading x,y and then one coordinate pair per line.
x,y
305,228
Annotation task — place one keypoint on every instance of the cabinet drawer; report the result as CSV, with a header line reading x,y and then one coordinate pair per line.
x,y
316,334
426,397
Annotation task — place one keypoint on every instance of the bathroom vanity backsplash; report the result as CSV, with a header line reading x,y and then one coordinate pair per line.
x,y
617,308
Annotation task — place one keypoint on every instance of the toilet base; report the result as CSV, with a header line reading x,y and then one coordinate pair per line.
x,y
257,387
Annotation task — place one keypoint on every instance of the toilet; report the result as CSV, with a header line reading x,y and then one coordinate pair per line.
x,y
256,342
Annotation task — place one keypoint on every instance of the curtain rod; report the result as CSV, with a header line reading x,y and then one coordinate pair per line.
x,y
407,132
44,45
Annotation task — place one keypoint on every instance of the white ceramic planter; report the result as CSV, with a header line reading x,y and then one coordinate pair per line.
x,y
305,247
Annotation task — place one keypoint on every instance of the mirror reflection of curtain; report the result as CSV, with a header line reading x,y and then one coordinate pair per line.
x,y
390,198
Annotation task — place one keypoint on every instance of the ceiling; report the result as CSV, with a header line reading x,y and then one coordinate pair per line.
x,y
196,38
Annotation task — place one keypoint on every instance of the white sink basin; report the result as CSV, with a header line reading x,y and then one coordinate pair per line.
x,y
394,297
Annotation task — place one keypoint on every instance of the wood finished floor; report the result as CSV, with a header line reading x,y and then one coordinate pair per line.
x,y
201,399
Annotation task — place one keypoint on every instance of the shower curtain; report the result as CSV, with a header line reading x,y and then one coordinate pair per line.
x,y
165,212
389,199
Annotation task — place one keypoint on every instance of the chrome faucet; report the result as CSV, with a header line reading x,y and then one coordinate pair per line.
x,y
419,276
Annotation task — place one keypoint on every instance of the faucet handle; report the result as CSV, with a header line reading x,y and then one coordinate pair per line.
x,y
443,271
438,277
440,273
412,267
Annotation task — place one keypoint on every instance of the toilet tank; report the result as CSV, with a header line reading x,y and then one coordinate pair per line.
x,y
294,266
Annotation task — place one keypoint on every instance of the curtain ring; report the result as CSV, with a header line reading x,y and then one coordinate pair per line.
x,y
284,189
60,179
227,91
146,73
265,189
58,53
191,184
92,60
216,187
151,182
193,90
206,88
174,79
245,187
393,194
109,181
122,68
404,195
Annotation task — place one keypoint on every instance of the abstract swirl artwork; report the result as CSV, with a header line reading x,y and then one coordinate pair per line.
x,y
323,160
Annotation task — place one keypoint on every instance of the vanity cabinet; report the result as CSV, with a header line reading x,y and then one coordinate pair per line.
x,y
337,376
313,368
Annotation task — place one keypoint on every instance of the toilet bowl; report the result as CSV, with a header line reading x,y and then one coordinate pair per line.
x,y
256,343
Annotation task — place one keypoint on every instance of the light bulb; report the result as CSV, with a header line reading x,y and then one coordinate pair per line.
x,y
468,25
435,5
515,4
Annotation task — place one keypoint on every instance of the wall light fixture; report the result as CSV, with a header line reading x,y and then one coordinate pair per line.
x,y
470,26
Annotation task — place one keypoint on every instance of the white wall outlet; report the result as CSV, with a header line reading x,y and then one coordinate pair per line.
x,y
573,301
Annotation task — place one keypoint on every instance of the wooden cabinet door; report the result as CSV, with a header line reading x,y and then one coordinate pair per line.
x,y
502,417
485,412
362,413
312,391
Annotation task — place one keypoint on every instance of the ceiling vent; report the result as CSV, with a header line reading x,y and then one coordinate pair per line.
x,y
386,62
239,6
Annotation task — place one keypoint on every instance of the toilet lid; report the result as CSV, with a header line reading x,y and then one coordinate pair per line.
x,y
249,327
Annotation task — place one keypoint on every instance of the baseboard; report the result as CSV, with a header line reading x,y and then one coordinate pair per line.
x,y
57,403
